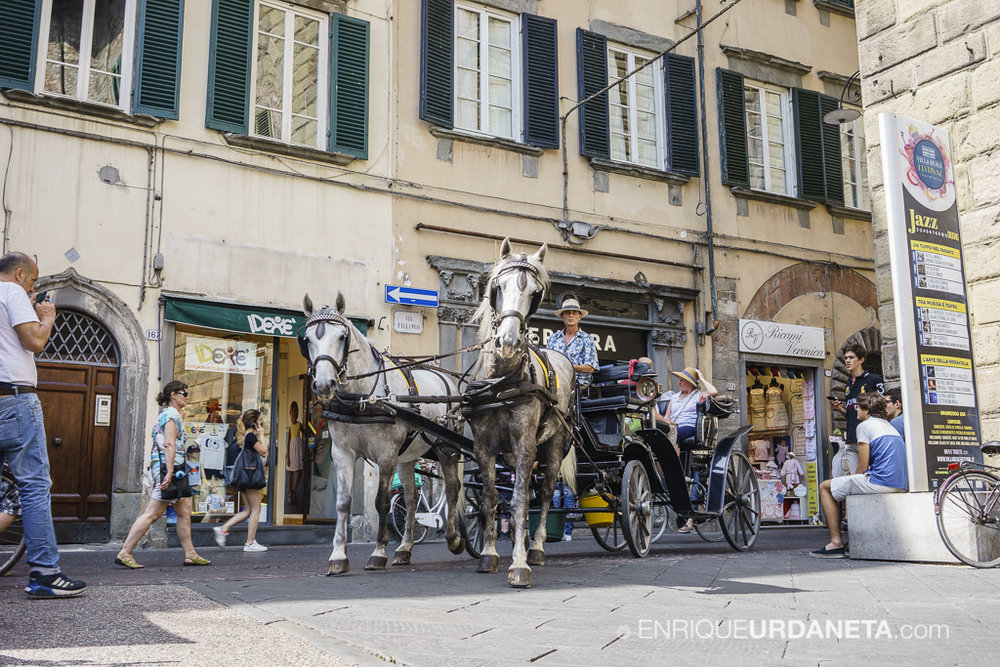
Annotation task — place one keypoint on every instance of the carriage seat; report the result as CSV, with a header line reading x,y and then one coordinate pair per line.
x,y
709,412
613,373
603,403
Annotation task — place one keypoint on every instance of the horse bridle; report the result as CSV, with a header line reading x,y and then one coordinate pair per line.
x,y
319,319
524,266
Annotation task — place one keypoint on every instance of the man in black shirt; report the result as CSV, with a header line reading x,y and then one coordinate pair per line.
x,y
845,462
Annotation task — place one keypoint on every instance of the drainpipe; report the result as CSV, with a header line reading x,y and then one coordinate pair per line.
x,y
705,177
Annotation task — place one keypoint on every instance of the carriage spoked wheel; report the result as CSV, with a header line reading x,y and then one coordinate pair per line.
x,y
741,510
610,537
470,523
637,508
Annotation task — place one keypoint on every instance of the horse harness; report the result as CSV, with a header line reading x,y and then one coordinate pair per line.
x,y
521,264
360,408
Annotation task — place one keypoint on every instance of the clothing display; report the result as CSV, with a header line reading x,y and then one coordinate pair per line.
x,y
792,471
760,450
777,415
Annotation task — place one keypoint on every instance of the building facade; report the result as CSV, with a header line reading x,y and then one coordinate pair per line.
x,y
939,62
186,171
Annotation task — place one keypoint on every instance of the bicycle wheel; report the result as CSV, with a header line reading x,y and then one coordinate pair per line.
x,y
968,518
660,519
12,534
397,514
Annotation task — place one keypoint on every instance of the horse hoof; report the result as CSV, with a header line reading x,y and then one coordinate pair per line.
x,y
337,567
401,558
458,546
376,563
536,557
488,564
519,577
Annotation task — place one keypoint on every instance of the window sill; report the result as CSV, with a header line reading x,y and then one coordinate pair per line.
x,y
834,7
86,108
271,146
637,171
849,212
772,198
483,140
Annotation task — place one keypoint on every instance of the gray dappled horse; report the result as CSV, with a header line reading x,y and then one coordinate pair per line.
x,y
534,422
337,352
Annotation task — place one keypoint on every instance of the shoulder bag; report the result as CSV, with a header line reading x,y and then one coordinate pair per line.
x,y
248,470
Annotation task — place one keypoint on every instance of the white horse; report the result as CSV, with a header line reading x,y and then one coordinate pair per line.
x,y
535,390
337,354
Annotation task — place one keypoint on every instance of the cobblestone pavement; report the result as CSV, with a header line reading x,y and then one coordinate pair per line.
x,y
689,600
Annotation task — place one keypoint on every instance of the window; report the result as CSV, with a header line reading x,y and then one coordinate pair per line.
x,y
852,148
775,140
286,73
86,50
289,75
91,51
767,142
636,109
486,73
649,119
489,72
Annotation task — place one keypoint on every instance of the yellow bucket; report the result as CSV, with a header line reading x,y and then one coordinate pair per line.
x,y
596,519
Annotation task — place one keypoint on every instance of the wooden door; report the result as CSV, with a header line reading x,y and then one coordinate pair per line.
x,y
81,450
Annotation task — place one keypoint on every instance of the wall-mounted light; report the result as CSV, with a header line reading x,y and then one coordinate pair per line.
x,y
844,114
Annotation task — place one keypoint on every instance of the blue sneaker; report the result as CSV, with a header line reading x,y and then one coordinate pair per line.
x,y
53,586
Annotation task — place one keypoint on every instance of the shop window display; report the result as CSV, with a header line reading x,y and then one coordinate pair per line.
x,y
225,376
782,447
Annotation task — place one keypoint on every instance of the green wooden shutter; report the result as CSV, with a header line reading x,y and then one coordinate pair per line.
x,y
539,45
349,86
682,114
18,41
592,76
833,167
809,144
229,66
437,62
733,128
158,60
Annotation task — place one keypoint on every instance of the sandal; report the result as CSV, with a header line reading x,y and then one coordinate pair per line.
x,y
127,561
197,560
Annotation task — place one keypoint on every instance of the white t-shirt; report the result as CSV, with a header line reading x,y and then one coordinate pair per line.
x,y
17,363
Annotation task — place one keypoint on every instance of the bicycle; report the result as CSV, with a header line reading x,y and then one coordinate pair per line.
x,y
968,511
12,543
432,508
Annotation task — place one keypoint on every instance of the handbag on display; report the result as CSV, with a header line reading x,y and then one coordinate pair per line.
x,y
248,470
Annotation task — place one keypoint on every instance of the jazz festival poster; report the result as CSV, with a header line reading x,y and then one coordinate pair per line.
x,y
931,302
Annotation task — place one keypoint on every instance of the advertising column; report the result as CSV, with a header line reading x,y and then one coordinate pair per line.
x,y
930,300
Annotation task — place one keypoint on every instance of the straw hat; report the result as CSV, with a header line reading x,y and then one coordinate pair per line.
x,y
571,303
689,374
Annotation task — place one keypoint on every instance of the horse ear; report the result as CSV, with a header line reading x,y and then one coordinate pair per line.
x,y
341,306
540,255
505,248
307,305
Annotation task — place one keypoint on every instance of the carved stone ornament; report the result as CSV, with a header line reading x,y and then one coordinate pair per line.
x,y
669,312
459,286
454,314
665,337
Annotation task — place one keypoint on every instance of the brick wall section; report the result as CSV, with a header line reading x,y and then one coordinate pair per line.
x,y
939,61
800,279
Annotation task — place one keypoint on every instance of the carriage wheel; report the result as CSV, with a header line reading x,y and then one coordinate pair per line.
x,y
708,529
470,523
741,511
637,508
610,537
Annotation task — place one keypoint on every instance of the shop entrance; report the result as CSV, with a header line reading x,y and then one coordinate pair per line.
x,y
781,404
78,389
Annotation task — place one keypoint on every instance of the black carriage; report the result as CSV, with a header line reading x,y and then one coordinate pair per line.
x,y
627,467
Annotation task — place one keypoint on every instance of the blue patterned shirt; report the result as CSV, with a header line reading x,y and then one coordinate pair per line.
x,y
580,350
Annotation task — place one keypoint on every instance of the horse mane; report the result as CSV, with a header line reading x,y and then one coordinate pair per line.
x,y
483,311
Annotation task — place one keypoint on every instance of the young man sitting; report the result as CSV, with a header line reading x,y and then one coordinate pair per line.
x,y
881,469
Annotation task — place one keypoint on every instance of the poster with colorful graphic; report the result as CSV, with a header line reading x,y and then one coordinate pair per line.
x,y
220,355
931,303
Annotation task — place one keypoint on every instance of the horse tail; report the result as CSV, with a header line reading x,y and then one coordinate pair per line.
x,y
567,470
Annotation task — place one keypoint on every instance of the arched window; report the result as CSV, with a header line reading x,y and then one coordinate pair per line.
x,y
80,339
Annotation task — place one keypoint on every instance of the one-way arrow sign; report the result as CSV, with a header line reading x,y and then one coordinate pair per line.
x,y
411,296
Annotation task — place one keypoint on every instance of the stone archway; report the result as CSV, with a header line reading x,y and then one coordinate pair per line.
x,y
75,292
809,278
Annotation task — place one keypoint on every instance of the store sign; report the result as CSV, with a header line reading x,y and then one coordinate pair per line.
x,y
789,340
219,355
930,299
240,318
407,321
612,343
